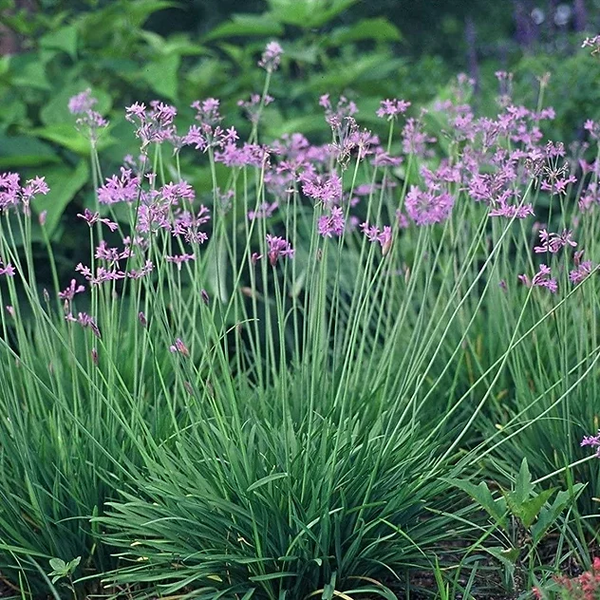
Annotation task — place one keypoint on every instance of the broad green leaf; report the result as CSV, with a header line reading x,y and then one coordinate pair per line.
x,y
308,14
25,151
58,564
549,515
246,25
482,495
523,485
63,38
31,74
161,75
173,45
529,510
379,29
64,183
67,136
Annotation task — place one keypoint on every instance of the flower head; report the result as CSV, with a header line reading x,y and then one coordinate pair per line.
x,y
593,441
276,247
390,109
271,57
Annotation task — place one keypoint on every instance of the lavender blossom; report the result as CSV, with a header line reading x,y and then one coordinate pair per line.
x,y
271,57
276,247
593,441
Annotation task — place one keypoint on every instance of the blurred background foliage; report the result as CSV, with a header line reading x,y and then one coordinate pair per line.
x,y
177,52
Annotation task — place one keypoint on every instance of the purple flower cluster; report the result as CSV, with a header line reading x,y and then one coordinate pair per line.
x,y
271,57
553,242
426,207
89,121
278,247
14,195
592,441
7,269
332,224
374,234
540,279
390,109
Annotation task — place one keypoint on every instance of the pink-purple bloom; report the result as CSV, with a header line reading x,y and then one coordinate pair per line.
x,y
179,347
271,57
85,321
179,259
374,234
593,441
429,206
553,242
540,279
7,269
390,109
332,224
278,247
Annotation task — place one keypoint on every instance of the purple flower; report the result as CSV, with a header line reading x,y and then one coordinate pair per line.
x,y
179,347
540,279
92,218
325,189
582,271
271,57
428,207
276,247
392,108
332,224
89,121
511,210
70,292
12,194
145,270
125,188
593,441
7,270
414,139
82,102
85,321
373,234
553,242
264,211
179,259
154,125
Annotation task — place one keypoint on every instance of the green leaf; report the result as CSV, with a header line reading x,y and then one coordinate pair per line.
x,y
64,183
523,485
549,515
58,564
31,74
173,45
271,576
530,509
308,14
63,38
265,480
482,495
25,151
246,25
161,75
378,29
67,136
507,556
